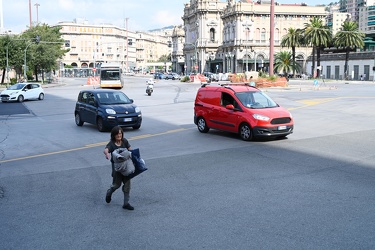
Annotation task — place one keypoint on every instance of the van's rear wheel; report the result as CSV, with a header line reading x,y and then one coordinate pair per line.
x,y
202,126
246,132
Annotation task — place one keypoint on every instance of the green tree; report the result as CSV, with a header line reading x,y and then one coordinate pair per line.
x,y
43,56
292,40
349,37
14,46
284,63
165,58
319,36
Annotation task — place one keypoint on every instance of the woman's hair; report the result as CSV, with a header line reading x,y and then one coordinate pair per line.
x,y
115,131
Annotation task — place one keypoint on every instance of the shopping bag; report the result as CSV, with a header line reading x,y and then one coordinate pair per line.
x,y
138,162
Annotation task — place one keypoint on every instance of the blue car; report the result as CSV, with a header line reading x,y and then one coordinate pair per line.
x,y
159,75
106,108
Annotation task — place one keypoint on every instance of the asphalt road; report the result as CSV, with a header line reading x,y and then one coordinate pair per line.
x,y
313,190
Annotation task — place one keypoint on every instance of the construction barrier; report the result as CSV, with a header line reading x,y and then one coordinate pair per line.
x,y
93,80
198,78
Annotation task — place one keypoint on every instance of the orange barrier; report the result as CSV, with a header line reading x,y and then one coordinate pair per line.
x,y
198,78
93,80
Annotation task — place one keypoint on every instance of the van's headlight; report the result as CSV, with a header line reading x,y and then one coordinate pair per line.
x,y
137,110
110,111
261,117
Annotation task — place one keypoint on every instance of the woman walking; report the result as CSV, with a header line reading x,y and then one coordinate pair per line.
x,y
118,141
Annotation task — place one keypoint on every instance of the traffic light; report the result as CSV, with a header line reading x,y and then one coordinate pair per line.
x,y
67,43
37,39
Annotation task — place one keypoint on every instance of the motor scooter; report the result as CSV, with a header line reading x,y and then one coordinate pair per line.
x,y
150,87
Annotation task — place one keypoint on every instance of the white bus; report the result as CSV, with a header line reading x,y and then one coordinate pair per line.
x,y
111,76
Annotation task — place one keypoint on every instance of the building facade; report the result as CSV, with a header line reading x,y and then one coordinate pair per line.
x,y
235,36
91,45
178,40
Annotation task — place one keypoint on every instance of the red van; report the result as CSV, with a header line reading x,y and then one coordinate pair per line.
x,y
241,109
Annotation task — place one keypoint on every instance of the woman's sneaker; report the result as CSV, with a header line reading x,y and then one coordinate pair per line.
x,y
128,207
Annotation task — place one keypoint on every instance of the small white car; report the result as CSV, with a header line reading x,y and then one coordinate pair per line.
x,y
22,91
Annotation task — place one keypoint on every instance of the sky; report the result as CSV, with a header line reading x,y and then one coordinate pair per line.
x,y
142,15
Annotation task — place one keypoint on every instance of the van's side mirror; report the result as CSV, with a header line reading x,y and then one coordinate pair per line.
x,y
229,106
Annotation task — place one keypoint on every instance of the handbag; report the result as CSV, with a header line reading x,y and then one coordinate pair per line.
x,y
139,163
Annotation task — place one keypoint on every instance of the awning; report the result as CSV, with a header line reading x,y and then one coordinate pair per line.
x,y
252,61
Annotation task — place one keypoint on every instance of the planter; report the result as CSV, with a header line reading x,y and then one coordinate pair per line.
x,y
266,83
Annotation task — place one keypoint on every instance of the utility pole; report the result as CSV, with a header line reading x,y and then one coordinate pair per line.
x,y
37,13
31,19
272,31
127,44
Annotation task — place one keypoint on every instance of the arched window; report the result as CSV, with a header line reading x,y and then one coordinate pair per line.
x,y
212,35
257,34
277,35
263,35
247,34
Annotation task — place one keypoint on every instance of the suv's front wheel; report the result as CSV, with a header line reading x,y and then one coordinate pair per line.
x,y
100,124
78,120
246,132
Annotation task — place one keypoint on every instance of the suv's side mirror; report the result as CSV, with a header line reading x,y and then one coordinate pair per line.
x,y
229,106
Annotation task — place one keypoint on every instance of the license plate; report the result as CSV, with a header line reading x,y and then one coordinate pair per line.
x,y
4,98
128,119
281,127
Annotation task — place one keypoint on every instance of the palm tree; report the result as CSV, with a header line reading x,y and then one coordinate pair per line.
x,y
292,40
284,63
319,36
349,37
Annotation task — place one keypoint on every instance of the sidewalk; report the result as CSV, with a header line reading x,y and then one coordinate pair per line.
x,y
44,85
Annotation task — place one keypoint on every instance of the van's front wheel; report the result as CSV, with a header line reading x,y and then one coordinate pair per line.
x,y
245,132
202,126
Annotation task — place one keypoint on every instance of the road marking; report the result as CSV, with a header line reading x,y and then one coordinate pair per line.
x,y
138,137
313,102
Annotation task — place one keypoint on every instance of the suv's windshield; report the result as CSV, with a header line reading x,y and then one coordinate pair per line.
x,y
256,100
108,98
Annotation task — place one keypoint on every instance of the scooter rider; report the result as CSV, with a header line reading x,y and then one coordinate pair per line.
x,y
150,86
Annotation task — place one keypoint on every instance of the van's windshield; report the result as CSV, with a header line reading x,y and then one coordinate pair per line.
x,y
256,100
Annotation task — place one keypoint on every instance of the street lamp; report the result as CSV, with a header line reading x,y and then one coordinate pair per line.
x,y
7,66
229,57
195,51
37,13
24,68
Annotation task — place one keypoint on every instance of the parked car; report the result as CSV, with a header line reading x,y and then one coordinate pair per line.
x,y
211,76
173,76
159,75
22,91
240,109
106,108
